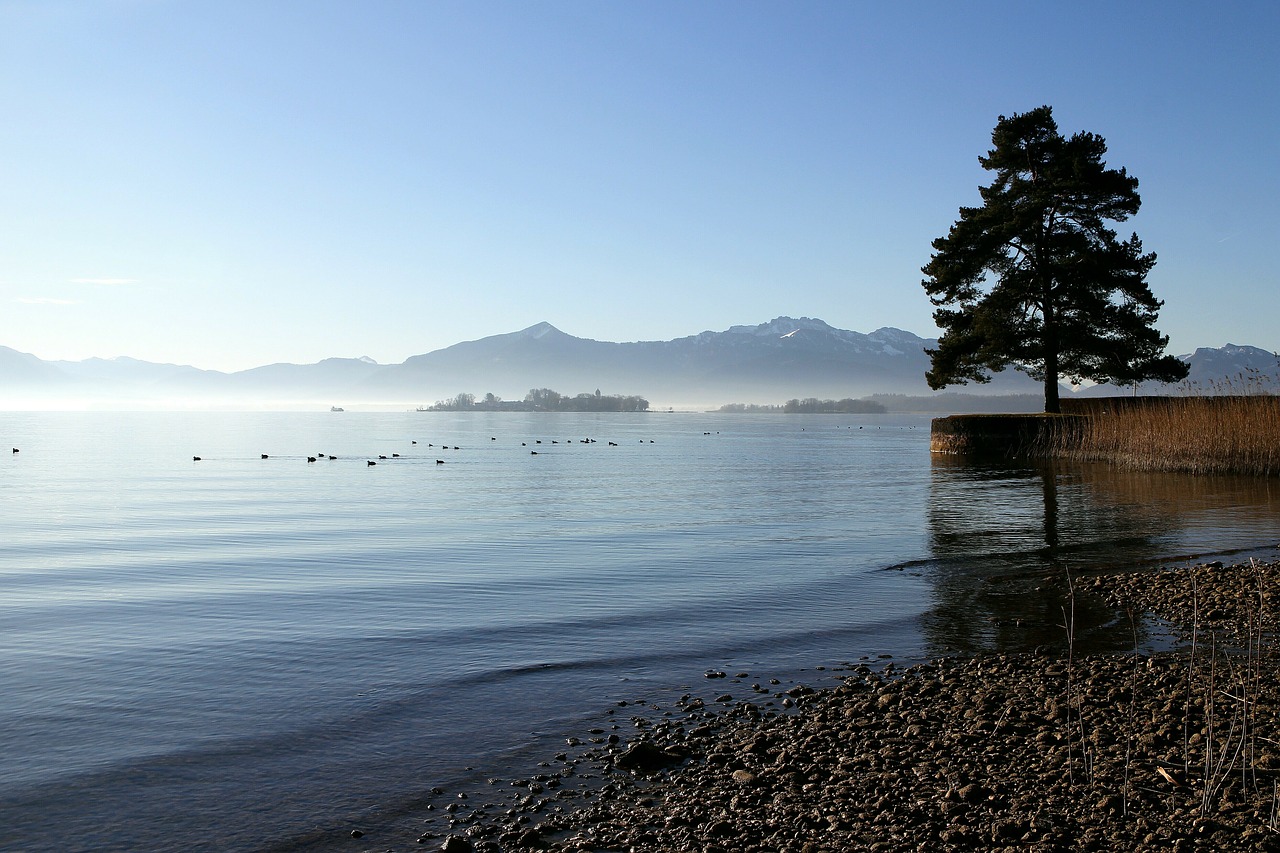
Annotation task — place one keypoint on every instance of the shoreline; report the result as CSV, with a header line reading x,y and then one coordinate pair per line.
x,y
1173,750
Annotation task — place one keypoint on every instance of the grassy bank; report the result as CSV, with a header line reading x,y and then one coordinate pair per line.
x,y
1201,435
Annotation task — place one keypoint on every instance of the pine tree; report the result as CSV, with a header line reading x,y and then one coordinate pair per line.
x,y
1035,279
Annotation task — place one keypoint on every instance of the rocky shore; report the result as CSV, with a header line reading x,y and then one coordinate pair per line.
x,y
1174,751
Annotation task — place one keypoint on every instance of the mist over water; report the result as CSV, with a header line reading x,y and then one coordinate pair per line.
x,y
239,652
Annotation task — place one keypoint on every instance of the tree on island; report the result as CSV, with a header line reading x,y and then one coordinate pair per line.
x,y
847,406
1035,279
809,405
544,400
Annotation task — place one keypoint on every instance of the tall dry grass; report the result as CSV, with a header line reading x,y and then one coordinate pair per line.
x,y
1201,434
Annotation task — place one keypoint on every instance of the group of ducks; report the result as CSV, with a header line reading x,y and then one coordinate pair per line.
x,y
580,441
371,462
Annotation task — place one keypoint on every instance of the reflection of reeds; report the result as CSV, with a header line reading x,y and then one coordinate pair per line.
x,y
1196,434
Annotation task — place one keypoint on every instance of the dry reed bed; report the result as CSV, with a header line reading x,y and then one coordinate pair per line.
x,y
1196,434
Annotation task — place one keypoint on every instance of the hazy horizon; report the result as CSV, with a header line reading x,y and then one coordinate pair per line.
x,y
758,365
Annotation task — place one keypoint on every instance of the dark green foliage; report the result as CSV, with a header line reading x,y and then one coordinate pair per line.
x,y
1035,279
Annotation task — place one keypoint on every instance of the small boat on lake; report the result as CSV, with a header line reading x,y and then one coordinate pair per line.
x,y
336,409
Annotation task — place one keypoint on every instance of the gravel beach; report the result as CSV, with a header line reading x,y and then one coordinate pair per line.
x,y
1176,750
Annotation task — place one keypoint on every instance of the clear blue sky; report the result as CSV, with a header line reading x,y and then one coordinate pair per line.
x,y
228,184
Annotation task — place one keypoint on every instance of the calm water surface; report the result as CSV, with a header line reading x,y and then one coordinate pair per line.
x,y
241,653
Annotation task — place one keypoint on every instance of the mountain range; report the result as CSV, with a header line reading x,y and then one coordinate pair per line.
x,y
782,359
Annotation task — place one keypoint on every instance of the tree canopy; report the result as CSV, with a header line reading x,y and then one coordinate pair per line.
x,y
1035,279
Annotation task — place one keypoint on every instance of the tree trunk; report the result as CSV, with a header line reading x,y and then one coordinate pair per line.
x,y
1051,403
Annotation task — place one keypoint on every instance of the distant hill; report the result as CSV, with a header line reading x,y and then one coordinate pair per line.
x,y
785,358
20,371
131,373
1231,369
775,361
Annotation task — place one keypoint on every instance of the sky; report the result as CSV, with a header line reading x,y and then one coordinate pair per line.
x,y
229,184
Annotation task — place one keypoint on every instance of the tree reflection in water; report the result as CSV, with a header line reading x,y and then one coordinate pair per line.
x,y
1004,535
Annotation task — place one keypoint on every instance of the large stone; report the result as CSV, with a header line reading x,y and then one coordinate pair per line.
x,y
642,757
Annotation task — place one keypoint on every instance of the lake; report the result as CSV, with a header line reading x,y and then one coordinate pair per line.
x,y
253,651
